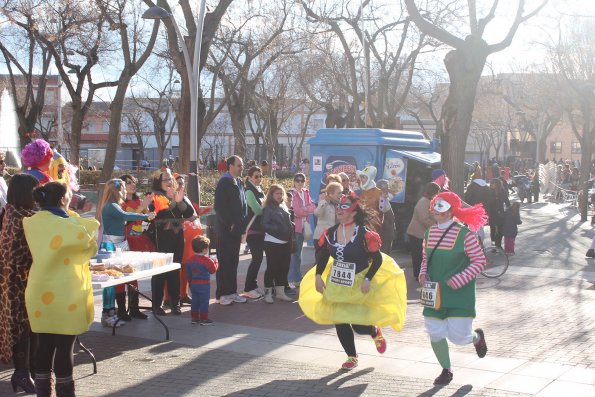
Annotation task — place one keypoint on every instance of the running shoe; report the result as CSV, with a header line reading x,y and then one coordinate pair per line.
x,y
481,346
186,300
225,300
254,294
444,378
349,364
237,298
379,341
208,321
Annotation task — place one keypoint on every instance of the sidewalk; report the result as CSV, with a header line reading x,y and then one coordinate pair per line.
x,y
538,320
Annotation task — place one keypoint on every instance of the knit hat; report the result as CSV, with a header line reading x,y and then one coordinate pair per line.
x,y
439,177
474,217
37,153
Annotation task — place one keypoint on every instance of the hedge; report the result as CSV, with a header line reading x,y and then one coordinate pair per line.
x,y
89,180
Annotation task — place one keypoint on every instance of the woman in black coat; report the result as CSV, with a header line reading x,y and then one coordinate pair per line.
x,y
167,233
498,199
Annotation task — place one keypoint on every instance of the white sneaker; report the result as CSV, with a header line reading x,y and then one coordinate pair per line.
x,y
237,298
254,294
225,300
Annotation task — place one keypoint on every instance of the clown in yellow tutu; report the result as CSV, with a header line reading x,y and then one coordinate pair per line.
x,y
354,286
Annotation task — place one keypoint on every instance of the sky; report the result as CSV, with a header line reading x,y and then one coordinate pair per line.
x,y
527,47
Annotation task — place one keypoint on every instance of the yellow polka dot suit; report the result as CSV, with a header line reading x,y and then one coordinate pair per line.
x,y
59,296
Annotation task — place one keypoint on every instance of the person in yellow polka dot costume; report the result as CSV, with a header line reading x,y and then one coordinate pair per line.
x,y
59,295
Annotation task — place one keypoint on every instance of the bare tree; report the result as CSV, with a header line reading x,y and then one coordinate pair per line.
x,y
27,62
386,51
574,59
76,34
464,65
124,17
253,45
211,24
137,124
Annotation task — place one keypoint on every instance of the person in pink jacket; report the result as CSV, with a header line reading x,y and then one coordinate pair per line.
x,y
303,207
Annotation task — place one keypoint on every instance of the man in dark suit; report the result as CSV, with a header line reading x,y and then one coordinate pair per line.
x,y
231,212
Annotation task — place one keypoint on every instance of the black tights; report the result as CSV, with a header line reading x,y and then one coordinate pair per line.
x,y
55,351
23,352
347,339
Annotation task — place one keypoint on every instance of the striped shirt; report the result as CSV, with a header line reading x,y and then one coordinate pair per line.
x,y
472,249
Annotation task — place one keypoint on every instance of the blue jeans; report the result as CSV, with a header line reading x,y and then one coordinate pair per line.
x,y
295,275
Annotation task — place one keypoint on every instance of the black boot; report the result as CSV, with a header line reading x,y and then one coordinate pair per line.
x,y
65,387
133,303
22,378
121,301
44,385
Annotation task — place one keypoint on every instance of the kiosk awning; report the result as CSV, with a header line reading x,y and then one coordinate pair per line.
x,y
429,158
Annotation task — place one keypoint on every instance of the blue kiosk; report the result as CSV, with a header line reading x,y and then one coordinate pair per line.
x,y
404,158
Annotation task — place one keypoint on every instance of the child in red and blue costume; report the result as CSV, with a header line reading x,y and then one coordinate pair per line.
x,y
199,269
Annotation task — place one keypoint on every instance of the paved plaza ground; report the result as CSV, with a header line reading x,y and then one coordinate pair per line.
x,y
538,320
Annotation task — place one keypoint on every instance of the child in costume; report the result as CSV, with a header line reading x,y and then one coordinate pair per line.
x,y
37,157
452,257
512,218
199,269
370,196
59,296
354,285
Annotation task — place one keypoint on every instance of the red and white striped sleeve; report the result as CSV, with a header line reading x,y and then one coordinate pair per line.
x,y
478,262
424,260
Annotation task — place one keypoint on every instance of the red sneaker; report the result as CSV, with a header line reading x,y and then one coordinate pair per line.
x,y
379,341
349,364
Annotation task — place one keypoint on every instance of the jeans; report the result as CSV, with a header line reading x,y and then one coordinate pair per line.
x,y
200,299
256,242
295,275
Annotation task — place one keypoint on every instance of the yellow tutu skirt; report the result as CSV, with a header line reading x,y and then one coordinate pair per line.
x,y
384,305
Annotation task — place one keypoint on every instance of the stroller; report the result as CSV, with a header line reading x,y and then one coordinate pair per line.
x,y
523,187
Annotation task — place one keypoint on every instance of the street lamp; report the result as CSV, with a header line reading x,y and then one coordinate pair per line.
x,y
193,73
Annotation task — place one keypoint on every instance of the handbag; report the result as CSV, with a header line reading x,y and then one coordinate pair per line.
x,y
292,242
430,292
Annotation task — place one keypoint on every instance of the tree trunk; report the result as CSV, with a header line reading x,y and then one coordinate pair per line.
x,y
114,129
464,68
238,125
76,127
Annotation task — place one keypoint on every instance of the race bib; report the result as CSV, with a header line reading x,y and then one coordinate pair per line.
x,y
342,273
430,295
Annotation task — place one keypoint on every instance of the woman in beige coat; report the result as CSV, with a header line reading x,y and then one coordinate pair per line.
x,y
421,220
325,211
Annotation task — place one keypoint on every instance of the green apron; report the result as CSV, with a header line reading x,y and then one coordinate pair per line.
x,y
446,262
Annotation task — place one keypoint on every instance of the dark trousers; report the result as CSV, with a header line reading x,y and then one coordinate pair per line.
x,y
256,243
173,287
23,352
278,258
416,246
496,232
55,351
228,255
347,339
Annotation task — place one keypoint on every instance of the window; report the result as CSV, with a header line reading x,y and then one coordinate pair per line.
x,y
555,147
575,148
